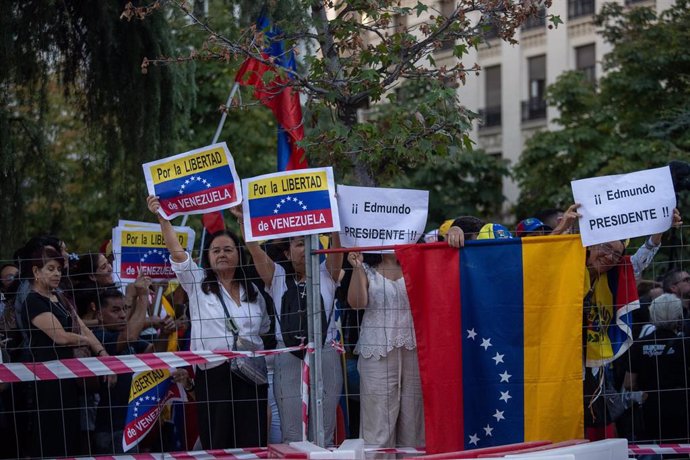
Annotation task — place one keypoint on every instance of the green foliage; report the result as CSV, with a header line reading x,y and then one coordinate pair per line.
x,y
357,54
635,118
77,117
462,184
90,90
460,180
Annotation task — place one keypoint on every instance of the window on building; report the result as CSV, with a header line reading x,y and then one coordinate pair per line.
x,y
399,23
535,106
535,21
578,8
585,61
447,9
491,113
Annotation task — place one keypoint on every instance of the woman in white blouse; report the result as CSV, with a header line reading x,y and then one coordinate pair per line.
x,y
392,412
232,412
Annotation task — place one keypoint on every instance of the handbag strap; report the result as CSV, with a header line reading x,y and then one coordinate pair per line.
x,y
227,315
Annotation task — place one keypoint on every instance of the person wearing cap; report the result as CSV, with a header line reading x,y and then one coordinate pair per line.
x,y
492,231
532,227
658,367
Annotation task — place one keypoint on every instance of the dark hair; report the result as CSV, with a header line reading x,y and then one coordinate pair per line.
x,y
31,247
86,266
210,283
470,225
108,293
670,279
4,266
372,259
38,258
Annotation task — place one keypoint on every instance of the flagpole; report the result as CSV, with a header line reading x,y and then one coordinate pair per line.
x,y
216,136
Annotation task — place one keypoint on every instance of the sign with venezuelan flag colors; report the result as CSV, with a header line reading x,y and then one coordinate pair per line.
x,y
149,393
142,250
290,203
194,182
500,346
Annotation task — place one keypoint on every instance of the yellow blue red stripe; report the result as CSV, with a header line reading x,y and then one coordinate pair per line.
x,y
512,365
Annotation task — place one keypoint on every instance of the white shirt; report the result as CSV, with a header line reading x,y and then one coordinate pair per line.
x,y
207,316
327,285
387,321
643,257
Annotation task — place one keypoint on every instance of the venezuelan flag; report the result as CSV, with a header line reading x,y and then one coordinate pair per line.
x,y
499,335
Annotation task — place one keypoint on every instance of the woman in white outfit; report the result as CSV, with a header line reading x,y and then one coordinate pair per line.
x,y
392,412
224,307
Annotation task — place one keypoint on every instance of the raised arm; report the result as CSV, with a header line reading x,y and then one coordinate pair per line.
x,y
177,252
137,319
569,218
357,293
334,260
677,222
264,265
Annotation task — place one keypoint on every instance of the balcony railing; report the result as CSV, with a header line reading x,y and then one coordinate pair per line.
x,y
533,109
490,117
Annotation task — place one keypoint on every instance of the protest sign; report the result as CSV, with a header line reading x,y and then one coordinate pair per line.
x,y
381,216
142,250
149,393
290,203
138,224
625,205
194,182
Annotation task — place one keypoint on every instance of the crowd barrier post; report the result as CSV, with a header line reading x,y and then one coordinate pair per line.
x,y
315,337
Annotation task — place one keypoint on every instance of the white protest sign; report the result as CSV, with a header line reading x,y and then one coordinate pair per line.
x,y
625,205
290,203
381,216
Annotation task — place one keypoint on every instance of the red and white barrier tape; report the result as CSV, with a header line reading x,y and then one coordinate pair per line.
x,y
304,392
261,452
246,453
650,449
124,364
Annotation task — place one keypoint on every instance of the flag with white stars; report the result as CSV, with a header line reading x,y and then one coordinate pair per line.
x,y
141,250
500,345
150,391
290,203
194,182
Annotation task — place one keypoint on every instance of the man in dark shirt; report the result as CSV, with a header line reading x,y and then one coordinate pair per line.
x,y
658,368
120,336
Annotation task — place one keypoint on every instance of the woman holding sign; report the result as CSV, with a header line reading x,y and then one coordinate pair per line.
x,y
286,282
225,310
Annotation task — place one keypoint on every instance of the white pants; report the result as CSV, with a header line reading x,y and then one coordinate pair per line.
x,y
392,411
287,383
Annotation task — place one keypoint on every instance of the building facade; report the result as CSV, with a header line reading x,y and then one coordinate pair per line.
x,y
509,91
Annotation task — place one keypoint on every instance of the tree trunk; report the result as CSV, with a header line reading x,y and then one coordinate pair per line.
x,y
347,113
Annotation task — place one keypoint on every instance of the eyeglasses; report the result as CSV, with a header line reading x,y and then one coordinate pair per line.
x,y
607,249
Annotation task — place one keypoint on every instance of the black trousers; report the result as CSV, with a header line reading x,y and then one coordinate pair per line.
x,y
232,412
55,418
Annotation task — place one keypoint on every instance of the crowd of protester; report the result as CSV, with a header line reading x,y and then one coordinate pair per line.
x,y
247,296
